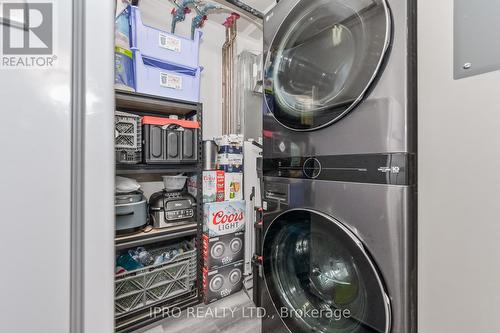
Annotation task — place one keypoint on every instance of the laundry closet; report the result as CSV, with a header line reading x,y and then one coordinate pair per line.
x,y
288,166
188,83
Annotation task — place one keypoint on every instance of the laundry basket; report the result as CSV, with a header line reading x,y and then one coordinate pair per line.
x,y
150,285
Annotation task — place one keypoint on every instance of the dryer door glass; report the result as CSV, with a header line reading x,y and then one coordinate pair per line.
x,y
323,59
320,277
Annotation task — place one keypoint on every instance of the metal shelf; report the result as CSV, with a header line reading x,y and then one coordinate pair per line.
x,y
155,236
142,105
134,169
148,104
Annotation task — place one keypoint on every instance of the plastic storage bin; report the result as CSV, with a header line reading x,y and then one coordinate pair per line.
x,y
170,140
159,78
162,45
149,285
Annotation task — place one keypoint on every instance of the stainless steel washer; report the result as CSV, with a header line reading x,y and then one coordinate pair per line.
x,y
338,257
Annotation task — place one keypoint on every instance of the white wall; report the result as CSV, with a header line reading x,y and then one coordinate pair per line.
x,y
157,13
459,185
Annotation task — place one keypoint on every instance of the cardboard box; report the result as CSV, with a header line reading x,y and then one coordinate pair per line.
x,y
221,282
230,154
233,186
223,250
230,140
212,186
229,162
222,218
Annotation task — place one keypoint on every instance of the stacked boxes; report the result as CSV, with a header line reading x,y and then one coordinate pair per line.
x,y
224,221
230,156
223,250
230,160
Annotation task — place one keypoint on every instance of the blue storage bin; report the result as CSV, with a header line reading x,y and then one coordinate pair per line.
x,y
160,78
162,45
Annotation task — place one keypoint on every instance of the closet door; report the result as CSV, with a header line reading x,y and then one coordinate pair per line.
x,y
57,166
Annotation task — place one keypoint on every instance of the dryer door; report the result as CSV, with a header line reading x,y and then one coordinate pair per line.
x,y
323,59
321,278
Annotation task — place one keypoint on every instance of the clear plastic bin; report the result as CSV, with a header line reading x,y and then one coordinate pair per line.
x,y
163,45
164,79
174,183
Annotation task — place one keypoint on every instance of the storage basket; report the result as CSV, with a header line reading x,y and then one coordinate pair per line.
x,y
149,285
162,45
128,138
165,79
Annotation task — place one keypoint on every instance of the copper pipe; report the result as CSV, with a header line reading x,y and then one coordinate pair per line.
x,y
228,99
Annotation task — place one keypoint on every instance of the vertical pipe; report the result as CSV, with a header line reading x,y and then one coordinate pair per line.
x,y
225,129
228,99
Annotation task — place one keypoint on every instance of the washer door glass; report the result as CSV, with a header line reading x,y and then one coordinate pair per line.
x,y
320,278
323,59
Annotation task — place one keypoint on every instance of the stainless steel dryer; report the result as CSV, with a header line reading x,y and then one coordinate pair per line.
x,y
337,257
339,77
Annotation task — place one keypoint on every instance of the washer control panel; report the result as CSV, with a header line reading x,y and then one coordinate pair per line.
x,y
312,168
391,168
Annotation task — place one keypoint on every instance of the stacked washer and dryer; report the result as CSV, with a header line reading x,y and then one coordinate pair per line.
x,y
338,240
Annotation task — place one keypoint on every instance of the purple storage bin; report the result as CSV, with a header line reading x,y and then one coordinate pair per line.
x,y
160,78
162,45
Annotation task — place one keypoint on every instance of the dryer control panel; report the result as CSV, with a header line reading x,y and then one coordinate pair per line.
x,y
390,169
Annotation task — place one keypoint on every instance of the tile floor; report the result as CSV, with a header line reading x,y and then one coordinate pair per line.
x,y
212,319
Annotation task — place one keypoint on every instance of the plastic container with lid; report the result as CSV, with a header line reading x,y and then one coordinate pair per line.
x,y
174,183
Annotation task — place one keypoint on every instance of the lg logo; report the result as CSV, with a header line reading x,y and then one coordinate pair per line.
x,y
28,28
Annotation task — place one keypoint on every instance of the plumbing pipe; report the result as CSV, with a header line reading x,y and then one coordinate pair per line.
x,y
246,8
228,50
180,10
202,11
242,8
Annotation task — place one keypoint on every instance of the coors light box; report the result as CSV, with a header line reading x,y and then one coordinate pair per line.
x,y
223,250
221,282
222,218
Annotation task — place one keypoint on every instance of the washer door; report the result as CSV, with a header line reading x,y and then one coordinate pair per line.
x,y
320,278
323,59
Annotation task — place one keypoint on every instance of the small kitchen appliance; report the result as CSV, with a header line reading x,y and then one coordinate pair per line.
x,y
171,208
131,212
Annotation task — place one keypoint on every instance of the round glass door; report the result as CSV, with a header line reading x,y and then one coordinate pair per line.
x,y
323,59
320,278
